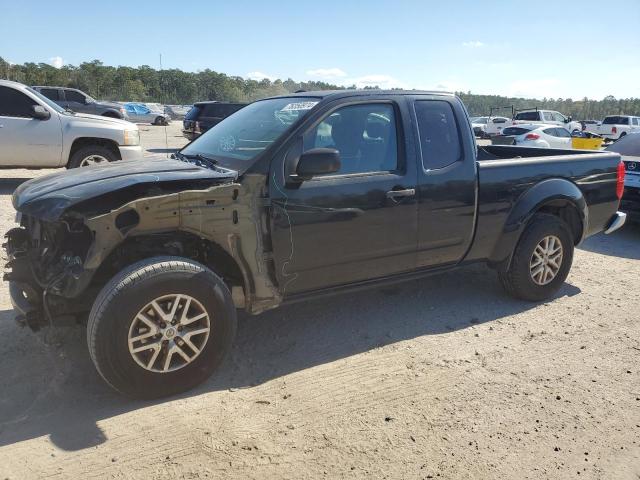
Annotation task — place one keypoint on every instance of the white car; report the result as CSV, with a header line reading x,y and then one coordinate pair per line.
x,y
534,135
478,124
36,132
614,127
495,125
546,117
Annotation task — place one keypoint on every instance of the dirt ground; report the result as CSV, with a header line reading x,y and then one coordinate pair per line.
x,y
444,377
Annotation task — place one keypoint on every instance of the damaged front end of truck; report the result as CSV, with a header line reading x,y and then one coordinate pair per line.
x,y
78,230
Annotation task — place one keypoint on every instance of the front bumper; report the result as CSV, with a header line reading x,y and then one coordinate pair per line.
x,y
131,152
616,222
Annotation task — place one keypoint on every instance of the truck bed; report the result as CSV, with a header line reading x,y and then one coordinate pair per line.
x,y
509,178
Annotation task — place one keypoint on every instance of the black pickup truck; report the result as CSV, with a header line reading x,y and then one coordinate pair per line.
x,y
290,198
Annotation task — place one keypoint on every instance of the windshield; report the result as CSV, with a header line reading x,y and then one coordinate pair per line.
x,y
242,136
50,103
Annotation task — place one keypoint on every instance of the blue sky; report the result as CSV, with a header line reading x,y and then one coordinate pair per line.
x,y
534,49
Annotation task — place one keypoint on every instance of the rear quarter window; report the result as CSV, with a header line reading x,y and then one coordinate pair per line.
x,y
193,113
515,131
616,120
535,116
438,133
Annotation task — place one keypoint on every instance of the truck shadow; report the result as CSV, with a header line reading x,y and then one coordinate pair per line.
x,y
8,185
49,386
623,243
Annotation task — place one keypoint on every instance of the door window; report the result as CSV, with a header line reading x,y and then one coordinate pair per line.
x,y
551,131
548,117
73,96
438,132
365,135
563,133
15,104
51,93
559,117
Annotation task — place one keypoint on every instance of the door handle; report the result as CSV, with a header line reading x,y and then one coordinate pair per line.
x,y
394,194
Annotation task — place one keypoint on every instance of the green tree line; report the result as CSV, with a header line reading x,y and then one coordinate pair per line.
x,y
173,86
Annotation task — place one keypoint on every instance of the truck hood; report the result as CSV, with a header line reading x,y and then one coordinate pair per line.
x,y
87,117
48,197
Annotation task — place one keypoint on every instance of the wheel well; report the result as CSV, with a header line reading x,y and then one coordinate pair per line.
x,y
182,244
110,114
567,212
88,141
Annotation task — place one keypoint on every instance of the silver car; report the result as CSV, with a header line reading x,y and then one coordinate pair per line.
x,y
141,113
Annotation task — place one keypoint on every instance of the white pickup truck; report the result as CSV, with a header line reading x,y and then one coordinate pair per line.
x,y
547,117
35,132
614,127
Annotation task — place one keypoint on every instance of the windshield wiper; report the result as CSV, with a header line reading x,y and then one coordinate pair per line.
x,y
212,162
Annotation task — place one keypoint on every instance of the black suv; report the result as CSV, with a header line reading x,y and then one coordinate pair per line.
x,y
204,115
78,101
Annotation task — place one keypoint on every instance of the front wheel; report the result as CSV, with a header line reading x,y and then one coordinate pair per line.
x,y
91,155
541,261
161,327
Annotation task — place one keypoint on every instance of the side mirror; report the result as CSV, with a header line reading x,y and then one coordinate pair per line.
x,y
569,119
40,113
318,161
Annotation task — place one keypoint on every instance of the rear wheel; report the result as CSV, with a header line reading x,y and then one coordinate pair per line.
x,y
160,121
161,327
541,261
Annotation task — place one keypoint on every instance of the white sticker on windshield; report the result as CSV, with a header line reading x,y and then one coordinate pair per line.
x,y
299,106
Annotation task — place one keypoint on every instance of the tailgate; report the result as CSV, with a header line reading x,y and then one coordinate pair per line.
x,y
503,140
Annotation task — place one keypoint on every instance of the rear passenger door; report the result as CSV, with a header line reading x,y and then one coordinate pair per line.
x,y
76,102
447,182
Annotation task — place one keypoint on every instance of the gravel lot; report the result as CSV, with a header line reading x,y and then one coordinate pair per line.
x,y
445,377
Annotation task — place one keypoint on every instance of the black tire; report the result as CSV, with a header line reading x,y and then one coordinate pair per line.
x,y
126,294
112,115
517,279
159,121
80,156
622,135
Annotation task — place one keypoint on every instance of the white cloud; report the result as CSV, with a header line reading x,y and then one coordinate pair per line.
x,y
375,80
260,76
56,62
326,73
448,86
473,44
536,88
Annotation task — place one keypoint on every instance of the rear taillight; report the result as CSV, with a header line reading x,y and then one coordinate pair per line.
x,y
620,181
532,136
614,130
196,128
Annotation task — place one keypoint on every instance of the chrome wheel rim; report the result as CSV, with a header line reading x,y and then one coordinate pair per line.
x,y
169,333
546,260
93,160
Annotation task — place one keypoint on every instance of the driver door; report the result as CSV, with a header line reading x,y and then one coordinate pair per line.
x,y
358,223
27,141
